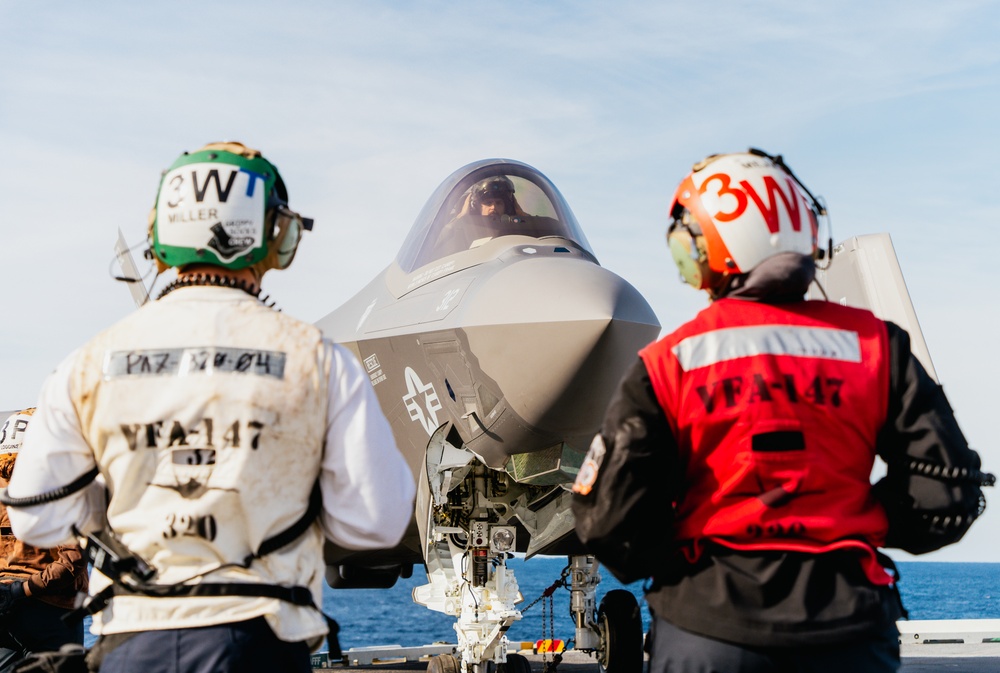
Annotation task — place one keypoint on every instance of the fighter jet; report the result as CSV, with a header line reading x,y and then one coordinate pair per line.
x,y
494,341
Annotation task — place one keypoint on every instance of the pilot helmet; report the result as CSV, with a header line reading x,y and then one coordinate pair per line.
x,y
497,187
733,211
224,205
13,429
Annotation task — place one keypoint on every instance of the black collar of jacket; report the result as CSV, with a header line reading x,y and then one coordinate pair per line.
x,y
785,277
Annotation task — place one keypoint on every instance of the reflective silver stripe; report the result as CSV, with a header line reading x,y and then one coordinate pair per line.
x,y
186,361
739,342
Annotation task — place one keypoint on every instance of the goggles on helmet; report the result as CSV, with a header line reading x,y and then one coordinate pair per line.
x,y
288,227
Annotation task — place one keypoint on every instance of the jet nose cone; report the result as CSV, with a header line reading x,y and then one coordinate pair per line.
x,y
561,332
555,289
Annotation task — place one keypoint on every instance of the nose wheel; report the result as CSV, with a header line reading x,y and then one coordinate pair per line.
x,y
620,624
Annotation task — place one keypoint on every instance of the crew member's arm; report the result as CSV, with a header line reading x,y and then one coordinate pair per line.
x,y
931,491
55,454
368,489
62,575
623,501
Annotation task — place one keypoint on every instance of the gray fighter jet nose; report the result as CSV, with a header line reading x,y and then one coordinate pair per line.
x,y
556,333
502,337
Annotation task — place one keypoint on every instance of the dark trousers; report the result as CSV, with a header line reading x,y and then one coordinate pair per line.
x,y
675,650
247,647
34,626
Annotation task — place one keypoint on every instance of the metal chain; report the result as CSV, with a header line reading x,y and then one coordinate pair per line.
x,y
556,657
552,619
545,594
545,654
549,606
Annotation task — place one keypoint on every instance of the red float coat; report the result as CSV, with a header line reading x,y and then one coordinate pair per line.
x,y
776,409
751,590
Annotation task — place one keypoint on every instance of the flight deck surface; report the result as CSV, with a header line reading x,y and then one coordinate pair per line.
x,y
956,645
954,658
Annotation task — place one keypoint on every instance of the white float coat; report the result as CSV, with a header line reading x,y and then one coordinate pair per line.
x,y
144,423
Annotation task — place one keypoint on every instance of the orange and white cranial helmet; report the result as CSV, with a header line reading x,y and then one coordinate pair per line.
x,y
13,429
733,211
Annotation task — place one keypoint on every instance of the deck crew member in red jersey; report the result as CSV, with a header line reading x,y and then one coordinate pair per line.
x,y
734,464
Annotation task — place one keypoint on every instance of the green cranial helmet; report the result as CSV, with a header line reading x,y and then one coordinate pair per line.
x,y
224,205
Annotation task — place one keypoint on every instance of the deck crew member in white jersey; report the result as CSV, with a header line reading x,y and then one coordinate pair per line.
x,y
230,439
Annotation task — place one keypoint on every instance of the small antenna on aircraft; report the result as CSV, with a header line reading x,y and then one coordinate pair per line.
x,y
130,273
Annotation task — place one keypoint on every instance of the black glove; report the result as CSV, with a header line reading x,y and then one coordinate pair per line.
x,y
11,593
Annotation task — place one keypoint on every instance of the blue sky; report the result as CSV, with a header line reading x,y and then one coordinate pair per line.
x,y
888,110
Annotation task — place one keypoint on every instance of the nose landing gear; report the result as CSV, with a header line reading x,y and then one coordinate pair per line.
x,y
615,637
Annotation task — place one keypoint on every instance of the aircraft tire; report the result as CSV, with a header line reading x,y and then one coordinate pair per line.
x,y
516,663
443,663
621,627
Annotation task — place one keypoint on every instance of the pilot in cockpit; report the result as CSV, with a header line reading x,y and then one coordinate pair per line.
x,y
493,198
489,209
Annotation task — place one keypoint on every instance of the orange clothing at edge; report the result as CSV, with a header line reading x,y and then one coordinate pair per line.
x,y
55,576
776,409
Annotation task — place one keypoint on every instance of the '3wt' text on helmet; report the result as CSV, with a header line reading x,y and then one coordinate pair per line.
x,y
733,211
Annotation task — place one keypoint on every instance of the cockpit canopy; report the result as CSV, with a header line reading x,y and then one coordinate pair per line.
x,y
483,201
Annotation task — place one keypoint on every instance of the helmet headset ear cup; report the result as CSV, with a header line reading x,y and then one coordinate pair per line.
x,y
690,253
691,259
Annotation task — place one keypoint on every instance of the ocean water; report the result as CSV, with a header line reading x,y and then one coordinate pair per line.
x,y
370,617
389,616
950,590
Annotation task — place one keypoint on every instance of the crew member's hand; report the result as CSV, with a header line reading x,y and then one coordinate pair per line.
x,y
10,594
